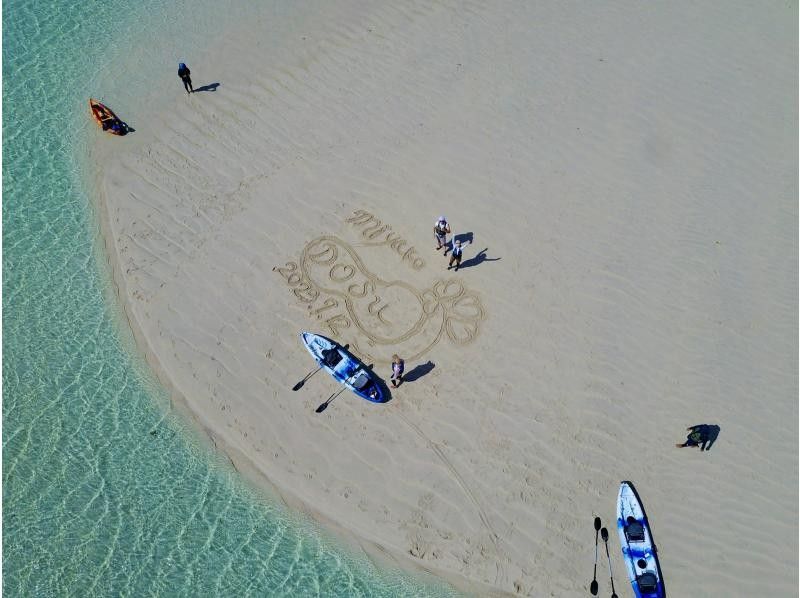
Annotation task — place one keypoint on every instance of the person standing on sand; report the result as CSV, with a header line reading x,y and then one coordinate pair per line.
x,y
183,73
398,366
456,254
440,231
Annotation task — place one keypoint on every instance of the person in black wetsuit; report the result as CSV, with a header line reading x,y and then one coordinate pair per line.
x,y
183,73
702,435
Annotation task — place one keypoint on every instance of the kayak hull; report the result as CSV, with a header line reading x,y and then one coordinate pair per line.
x,y
638,548
347,369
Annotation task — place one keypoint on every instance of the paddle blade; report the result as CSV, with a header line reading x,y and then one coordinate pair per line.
x,y
604,534
597,523
593,587
322,407
299,385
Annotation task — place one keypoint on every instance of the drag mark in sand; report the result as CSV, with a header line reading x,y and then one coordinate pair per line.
x,y
394,316
466,488
456,476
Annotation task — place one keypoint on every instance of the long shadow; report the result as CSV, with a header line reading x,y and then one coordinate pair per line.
x,y
713,433
419,371
209,87
478,259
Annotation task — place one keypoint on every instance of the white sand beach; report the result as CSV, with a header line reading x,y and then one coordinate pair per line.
x,y
627,175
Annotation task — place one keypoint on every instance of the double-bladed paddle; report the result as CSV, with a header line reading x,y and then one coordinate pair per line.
x,y
604,534
593,587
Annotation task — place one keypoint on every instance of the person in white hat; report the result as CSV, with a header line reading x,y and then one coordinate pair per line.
x,y
440,231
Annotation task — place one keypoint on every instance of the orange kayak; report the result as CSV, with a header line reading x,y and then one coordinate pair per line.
x,y
106,118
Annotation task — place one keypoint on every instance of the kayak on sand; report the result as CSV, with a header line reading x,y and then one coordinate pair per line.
x,y
344,367
106,118
638,547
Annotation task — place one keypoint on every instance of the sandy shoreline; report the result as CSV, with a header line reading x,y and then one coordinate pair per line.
x,y
628,180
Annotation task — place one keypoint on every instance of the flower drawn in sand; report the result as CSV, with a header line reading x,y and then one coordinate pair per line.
x,y
463,311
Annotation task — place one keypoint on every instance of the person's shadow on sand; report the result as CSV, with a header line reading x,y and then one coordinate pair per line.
x,y
209,87
419,371
478,258
702,435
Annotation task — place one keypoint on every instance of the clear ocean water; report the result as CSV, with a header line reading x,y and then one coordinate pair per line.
x,y
105,491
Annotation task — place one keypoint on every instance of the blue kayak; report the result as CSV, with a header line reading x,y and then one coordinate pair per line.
x,y
344,367
638,547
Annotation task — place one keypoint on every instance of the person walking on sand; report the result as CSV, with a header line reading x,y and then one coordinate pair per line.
x,y
183,73
440,232
398,366
455,255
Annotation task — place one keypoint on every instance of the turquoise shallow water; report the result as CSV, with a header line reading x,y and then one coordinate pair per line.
x,y
105,493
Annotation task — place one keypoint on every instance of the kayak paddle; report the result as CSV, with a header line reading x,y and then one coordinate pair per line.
x,y
593,587
324,405
604,534
299,385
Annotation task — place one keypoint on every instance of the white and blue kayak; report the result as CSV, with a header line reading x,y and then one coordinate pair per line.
x,y
638,547
344,367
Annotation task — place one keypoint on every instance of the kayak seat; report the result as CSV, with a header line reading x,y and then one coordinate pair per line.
x,y
331,357
360,380
634,531
648,582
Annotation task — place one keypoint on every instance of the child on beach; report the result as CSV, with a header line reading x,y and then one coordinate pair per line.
x,y
183,73
456,254
440,230
398,365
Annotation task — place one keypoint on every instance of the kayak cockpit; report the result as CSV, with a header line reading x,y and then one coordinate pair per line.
x,y
648,582
634,530
331,357
360,380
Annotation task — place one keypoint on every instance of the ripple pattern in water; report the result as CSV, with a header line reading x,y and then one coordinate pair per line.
x,y
104,494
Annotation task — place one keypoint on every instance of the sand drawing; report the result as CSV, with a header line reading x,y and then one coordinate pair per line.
x,y
375,229
354,304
